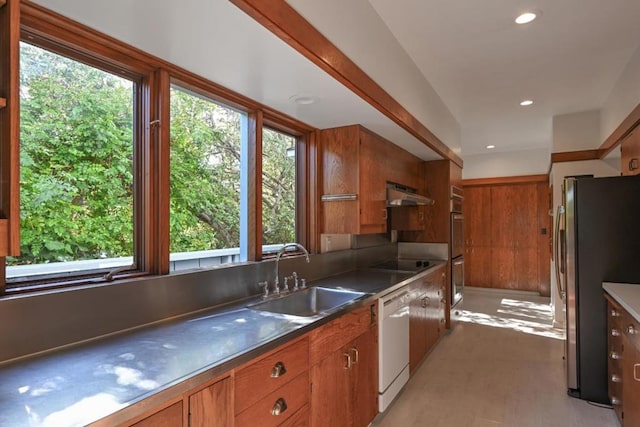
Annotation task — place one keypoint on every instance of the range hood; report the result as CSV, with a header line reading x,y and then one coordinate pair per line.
x,y
399,195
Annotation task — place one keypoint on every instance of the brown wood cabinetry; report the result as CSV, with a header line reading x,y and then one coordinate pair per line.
x,y
167,417
630,153
506,236
623,363
344,374
426,315
273,388
359,163
211,406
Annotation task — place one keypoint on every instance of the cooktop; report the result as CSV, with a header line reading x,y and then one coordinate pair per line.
x,y
412,265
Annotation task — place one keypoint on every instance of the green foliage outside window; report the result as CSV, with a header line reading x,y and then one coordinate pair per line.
x,y
76,160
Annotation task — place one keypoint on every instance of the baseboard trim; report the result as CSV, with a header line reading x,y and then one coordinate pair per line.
x,y
501,291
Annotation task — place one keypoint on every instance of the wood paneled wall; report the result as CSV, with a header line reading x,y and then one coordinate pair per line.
x,y
507,235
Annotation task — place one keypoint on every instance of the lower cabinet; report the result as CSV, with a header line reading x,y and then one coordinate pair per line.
x,y
167,417
426,315
623,364
328,377
344,379
211,406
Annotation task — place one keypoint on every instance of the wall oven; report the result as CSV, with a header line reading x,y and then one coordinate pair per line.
x,y
457,246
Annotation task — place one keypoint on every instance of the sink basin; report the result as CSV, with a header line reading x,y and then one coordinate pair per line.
x,y
308,302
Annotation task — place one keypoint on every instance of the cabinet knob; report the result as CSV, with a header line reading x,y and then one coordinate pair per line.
x,y
615,313
279,407
631,330
615,332
278,370
615,400
614,355
615,378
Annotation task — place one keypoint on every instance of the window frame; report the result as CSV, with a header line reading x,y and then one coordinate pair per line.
x,y
153,78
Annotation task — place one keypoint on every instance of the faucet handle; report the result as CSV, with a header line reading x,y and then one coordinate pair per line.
x,y
295,281
265,285
285,287
303,283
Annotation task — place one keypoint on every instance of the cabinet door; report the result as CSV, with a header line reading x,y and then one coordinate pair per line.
x,y
364,378
418,327
630,384
330,390
168,417
630,154
212,406
477,266
373,186
477,216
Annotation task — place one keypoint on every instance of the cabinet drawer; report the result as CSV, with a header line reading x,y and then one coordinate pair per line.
x,y
291,397
337,333
260,378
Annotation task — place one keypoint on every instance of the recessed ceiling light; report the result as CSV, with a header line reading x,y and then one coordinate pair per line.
x,y
526,102
303,99
490,147
526,17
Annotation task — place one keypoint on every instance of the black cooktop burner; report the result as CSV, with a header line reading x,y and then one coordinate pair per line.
x,y
402,265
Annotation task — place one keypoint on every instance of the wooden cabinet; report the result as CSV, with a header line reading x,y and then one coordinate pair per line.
x,y
623,346
273,388
167,417
358,163
211,406
630,154
426,315
344,374
506,243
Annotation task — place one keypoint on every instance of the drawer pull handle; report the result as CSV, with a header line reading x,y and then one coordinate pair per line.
x,y
279,407
614,355
425,302
356,355
349,361
615,332
278,370
615,378
635,371
631,330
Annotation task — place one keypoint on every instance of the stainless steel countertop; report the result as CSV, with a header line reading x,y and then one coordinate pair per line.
x,y
122,376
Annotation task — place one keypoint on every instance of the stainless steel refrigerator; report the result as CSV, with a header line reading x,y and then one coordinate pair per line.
x,y
598,239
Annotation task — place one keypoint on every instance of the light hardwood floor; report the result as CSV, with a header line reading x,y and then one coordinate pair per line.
x,y
501,366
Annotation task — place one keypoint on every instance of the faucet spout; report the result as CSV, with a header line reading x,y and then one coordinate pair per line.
x,y
282,250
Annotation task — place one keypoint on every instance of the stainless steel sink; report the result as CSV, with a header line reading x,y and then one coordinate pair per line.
x,y
308,302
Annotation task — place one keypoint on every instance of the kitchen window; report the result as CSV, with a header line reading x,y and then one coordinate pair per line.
x,y
205,181
279,152
77,168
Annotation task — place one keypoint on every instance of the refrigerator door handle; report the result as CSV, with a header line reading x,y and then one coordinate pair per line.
x,y
560,252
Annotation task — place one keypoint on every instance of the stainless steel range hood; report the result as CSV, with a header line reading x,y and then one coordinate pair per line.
x,y
399,195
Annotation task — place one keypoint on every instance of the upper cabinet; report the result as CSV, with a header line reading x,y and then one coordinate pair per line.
x,y
356,166
630,153
9,127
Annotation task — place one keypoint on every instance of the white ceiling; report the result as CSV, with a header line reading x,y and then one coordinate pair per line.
x,y
480,63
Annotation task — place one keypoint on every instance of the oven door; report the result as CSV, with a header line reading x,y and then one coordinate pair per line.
x,y
457,239
457,280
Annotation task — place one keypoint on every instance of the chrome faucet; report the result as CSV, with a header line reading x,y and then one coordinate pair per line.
x,y
280,252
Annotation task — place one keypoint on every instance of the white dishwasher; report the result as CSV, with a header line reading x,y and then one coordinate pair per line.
x,y
393,346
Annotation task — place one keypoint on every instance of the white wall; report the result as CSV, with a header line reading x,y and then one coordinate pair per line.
x,y
509,163
624,97
576,131
359,32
